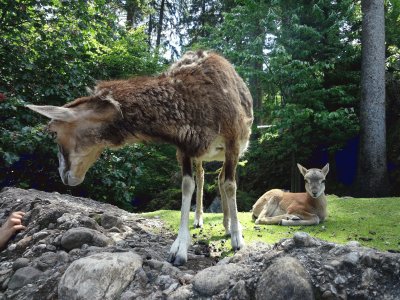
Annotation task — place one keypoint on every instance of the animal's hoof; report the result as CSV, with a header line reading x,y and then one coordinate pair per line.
x,y
178,252
237,241
177,260
198,225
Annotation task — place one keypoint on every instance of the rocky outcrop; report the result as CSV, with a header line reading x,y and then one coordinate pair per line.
x,y
76,248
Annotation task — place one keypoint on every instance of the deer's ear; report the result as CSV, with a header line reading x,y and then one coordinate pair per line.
x,y
325,169
302,170
55,112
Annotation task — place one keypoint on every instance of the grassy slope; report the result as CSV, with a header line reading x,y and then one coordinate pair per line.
x,y
372,222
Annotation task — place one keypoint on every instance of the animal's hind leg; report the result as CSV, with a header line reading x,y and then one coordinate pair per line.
x,y
275,220
198,219
229,186
178,252
224,201
271,207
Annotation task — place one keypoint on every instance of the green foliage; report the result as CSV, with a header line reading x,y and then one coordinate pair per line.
x,y
349,219
301,60
129,56
49,52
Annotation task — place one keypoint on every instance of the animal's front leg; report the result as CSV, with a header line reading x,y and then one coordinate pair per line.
x,y
178,252
229,186
304,218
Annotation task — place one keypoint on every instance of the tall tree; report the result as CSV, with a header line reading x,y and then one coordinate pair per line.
x,y
160,23
372,170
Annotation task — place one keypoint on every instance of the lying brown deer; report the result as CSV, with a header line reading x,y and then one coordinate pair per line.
x,y
200,105
278,207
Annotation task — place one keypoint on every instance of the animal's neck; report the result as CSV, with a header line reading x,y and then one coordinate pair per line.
x,y
158,112
320,200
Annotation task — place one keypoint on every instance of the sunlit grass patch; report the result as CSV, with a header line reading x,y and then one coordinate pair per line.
x,y
372,222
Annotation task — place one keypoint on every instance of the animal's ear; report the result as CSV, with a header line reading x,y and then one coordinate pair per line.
x,y
325,169
302,170
55,112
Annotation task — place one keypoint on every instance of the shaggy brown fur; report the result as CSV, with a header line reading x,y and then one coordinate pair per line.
x,y
188,108
200,105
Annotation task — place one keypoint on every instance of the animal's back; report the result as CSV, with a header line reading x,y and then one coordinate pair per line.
x,y
213,79
197,102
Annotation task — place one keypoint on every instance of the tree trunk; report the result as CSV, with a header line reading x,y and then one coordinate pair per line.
x,y
130,13
372,179
160,23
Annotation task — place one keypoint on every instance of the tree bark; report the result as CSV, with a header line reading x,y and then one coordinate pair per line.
x,y
372,179
160,23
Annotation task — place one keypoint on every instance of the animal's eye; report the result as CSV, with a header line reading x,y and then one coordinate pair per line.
x,y
323,181
52,134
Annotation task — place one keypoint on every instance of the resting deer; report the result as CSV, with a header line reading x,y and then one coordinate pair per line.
x,y
200,105
278,207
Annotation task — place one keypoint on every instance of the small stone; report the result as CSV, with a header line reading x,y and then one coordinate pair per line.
x,y
303,239
285,279
335,263
339,280
287,244
48,260
182,293
23,277
353,244
352,258
20,263
115,229
76,237
39,235
214,279
327,295
171,288
109,221
22,244
51,247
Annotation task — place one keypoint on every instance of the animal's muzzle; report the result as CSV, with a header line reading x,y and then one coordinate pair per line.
x,y
65,174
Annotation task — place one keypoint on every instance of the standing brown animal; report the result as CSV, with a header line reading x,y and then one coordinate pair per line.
x,y
278,207
200,105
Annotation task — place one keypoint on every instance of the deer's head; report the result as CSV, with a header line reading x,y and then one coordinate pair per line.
x,y
314,180
81,133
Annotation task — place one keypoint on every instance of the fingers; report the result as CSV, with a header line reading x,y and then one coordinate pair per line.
x,y
19,227
16,218
17,214
15,221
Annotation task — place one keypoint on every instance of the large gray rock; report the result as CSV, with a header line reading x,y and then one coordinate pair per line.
x,y
101,276
76,237
213,280
285,279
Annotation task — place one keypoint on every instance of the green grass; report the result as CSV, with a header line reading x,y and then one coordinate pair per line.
x,y
372,222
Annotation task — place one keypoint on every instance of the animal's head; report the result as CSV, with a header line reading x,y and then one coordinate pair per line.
x,y
82,132
314,180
